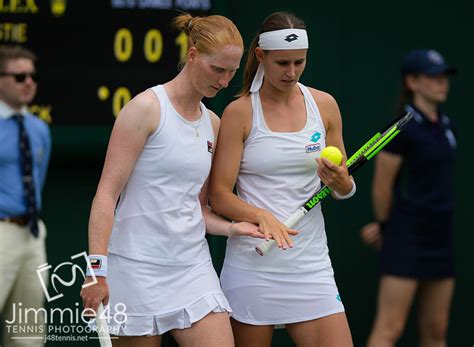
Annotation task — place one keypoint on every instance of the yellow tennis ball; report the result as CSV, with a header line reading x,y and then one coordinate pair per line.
x,y
333,154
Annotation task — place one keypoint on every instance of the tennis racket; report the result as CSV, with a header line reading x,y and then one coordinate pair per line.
x,y
102,328
363,155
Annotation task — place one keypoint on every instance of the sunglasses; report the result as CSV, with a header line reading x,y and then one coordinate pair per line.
x,y
21,76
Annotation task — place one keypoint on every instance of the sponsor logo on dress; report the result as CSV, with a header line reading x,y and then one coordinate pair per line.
x,y
210,148
314,147
315,137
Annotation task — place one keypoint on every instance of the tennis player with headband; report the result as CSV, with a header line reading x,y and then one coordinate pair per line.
x,y
269,147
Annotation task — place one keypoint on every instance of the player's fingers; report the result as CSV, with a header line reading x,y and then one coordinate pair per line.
x,y
89,309
279,236
264,229
329,165
293,231
287,241
95,304
344,163
86,303
266,235
322,174
269,232
277,239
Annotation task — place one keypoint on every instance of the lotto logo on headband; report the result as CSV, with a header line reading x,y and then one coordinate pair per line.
x,y
291,37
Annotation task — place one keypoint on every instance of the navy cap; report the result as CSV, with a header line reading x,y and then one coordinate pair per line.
x,y
427,62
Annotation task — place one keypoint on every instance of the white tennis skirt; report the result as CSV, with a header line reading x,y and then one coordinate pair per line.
x,y
150,299
269,298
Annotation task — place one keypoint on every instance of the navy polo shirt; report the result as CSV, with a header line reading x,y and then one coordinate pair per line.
x,y
426,178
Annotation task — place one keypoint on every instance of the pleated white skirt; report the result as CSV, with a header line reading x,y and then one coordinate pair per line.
x,y
150,299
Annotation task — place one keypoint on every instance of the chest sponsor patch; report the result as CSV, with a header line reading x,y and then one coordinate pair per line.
x,y
210,147
314,147
315,137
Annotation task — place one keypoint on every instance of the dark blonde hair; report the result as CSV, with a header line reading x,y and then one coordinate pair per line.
x,y
8,53
275,21
208,34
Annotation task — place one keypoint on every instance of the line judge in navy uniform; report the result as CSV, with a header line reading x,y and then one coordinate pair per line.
x,y
413,199
24,156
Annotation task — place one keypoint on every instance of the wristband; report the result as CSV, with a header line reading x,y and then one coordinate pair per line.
x,y
97,265
348,195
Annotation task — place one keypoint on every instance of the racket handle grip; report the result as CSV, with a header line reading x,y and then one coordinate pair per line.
x,y
265,246
102,327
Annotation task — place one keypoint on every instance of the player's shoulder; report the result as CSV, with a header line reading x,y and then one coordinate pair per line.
x,y
240,108
327,105
145,101
142,105
142,111
322,98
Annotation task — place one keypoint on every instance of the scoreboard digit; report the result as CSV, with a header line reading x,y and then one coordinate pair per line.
x,y
94,56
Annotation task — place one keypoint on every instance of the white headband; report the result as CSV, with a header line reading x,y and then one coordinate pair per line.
x,y
278,40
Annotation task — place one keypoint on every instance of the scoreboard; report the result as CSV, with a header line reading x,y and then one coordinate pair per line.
x,y
95,55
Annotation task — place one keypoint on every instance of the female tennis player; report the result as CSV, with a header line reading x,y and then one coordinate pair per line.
x,y
415,233
160,274
269,147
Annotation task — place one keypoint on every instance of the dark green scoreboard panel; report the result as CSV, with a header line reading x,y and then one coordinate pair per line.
x,y
94,56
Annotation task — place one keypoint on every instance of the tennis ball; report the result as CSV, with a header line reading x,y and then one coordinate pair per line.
x,y
333,154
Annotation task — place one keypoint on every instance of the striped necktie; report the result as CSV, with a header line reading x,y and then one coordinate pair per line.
x,y
26,162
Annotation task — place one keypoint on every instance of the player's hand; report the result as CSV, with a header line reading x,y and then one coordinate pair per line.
x,y
245,229
93,295
371,234
273,228
334,176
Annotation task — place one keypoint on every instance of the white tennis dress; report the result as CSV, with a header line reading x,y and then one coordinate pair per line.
x,y
278,173
159,261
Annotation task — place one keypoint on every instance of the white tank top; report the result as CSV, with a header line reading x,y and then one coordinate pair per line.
x,y
158,218
278,173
